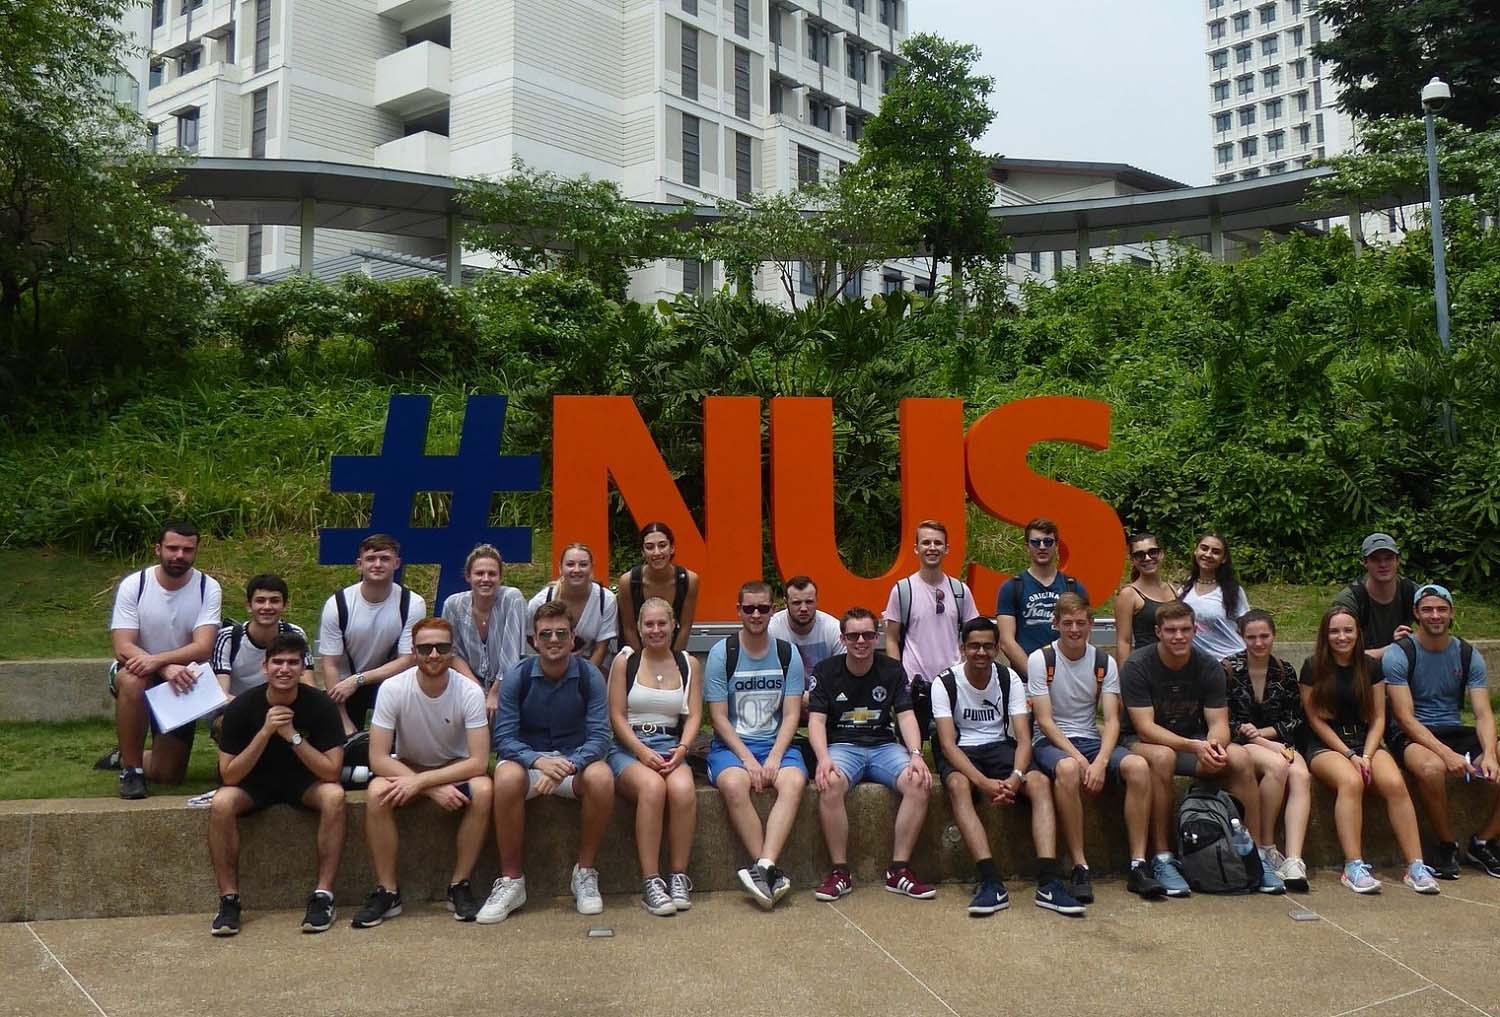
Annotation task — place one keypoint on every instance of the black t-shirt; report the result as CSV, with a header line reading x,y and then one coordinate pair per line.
x,y
1345,701
860,709
1178,697
314,716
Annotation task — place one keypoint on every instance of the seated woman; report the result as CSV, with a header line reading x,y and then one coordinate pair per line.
x,y
1137,601
660,577
655,709
1265,716
596,616
1344,701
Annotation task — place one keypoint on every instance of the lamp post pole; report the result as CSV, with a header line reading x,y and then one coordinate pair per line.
x,y
1435,95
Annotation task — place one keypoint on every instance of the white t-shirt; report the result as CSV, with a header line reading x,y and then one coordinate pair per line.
x,y
1071,694
245,668
979,719
601,614
164,620
429,732
822,640
1217,634
373,629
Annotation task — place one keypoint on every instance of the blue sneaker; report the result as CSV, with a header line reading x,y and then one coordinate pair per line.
x,y
1420,878
1053,896
1170,876
1270,882
1356,876
989,898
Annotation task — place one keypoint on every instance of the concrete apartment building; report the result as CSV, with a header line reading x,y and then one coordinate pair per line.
x,y
671,99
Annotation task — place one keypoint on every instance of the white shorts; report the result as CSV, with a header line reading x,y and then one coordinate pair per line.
x,y
564,787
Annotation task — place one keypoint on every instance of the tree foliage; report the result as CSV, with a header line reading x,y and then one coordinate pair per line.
x,y
1384,51
1390,159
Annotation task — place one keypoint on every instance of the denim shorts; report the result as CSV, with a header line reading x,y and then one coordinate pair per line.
x,y
621,758
882,764
1047,755
721,758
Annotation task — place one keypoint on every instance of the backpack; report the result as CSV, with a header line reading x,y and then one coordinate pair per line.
x,y
140,586
903,601
949,678
784,651
341,602
1101,668
236,636
633,665
1465,663
1210,862
552,592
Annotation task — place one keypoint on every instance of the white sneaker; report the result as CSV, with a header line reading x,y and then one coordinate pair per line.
x,y
506,895
586,891
1274,859
1293,873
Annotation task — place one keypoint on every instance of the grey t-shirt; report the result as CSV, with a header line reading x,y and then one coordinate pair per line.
x,y
1178,697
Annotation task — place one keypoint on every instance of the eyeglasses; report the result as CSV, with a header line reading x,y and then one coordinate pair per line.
x,y
1041,541
428,649
553,635
756,608
859,637
1146,554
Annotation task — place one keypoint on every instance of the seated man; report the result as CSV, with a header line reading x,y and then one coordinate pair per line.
x,y
863,692
983,735
433,719
240,647
753,686
551,736
1067,681
280,741
1177,719
1428,677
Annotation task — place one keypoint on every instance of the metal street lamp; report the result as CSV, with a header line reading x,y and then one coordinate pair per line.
x,y
1435,95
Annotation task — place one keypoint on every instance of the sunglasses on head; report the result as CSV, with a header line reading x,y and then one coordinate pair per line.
x,y
427,649
1146,553
1041,541
756,608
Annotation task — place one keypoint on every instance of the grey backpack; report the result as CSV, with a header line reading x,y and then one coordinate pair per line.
x,y
1205,844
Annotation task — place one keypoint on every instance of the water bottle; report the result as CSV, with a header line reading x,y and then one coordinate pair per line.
x,y
1243,843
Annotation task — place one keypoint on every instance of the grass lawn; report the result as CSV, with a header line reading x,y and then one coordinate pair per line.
x,y
56,761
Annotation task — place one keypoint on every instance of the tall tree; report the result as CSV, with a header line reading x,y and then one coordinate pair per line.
x,y
1384,51
923,144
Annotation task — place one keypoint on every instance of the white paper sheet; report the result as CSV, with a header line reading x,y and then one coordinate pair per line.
x,y
172,710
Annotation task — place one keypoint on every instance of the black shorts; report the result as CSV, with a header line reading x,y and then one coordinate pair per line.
x,y
263,796
995,760
1352,735
1457,737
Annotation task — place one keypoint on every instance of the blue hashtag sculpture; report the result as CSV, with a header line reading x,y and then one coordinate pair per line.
x,y
401,470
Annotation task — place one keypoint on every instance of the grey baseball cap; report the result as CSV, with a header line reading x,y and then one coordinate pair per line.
x,y
1432,590
1378,542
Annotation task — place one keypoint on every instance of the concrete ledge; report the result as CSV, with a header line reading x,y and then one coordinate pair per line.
x,y
104,858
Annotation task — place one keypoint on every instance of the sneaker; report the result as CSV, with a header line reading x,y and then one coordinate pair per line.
x,y
1356,876
1444,864
904,881
989,898
227,921
585,885
1420,878
133,784
1143,884
380,905
1169,875
319,914
779,883
109,761
655,898
506,895
1053,896
1482,855
1270,882
753,879
679,886
835,885
1272,856
461,901
1293,873
1082,887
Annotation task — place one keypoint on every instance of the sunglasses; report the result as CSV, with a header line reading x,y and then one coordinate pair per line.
x,y
939,595
1146,554
859,637
755,608
1041,541
554,635
427,649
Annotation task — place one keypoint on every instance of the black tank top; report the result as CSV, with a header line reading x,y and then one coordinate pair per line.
x,y
1143,625
679,592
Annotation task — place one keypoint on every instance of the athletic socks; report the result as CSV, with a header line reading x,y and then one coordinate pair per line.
x,y
987,871
1047,870
898,864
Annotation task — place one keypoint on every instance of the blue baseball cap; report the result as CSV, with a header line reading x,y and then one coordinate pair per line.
x,y
1432,590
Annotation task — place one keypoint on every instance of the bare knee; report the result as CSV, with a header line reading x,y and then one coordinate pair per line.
x,y
1160,759
1134,771
734,786
328,797
481,792
510,781
597,780
1066,773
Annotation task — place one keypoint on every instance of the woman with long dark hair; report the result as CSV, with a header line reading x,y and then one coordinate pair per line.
x,y
1137,601
1343,698
658,576
1213,592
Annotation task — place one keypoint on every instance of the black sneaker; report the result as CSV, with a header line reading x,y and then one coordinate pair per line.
x,y
1082,887
109,761
319,914
1141,882
133,784
461,902
1482,855
380,905
227,921
1444,860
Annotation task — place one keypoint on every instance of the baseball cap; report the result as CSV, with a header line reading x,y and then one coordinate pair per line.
x,y
1432,590
1378,542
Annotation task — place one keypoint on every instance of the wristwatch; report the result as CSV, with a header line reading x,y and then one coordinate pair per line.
x,y
296,739
359,680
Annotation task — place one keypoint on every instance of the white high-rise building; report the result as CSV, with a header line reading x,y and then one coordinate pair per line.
x,y
671,99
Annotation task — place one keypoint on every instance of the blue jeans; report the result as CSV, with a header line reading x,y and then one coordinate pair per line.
x,y
882,764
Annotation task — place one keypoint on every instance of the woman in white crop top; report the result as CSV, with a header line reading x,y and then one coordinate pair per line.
x,y
656,709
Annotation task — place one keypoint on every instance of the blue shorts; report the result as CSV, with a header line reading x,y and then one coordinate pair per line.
x,y
720,758
882,764
1047,756
621,758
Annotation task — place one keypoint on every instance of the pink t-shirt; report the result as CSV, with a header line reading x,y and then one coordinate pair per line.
x,y
931,638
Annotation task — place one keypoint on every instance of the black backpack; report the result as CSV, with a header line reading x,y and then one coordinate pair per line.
x,y
1408,646
1205,843
784,651
1406,590
949,678
341,603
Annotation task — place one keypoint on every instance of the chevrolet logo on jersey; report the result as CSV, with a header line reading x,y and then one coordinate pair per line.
x,y
860,715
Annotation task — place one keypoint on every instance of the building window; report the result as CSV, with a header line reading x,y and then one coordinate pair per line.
x,y
778,97
1216,30
805,279
1304,134
1219,59
854,127
262,34
1273,109
1227,178
259,110
742,83
190,61
158,72
1268,14
854,63
1301,102
1271,76
1276,141
1245,84
807,166
890,11
1221,91
1250,174
1224,154
690,164
1299,69
1036,262
1243,52
892,282
1269,46
1242,21
1297,37
187,130
1222,122
1214,5
1296,8
1317,95
1390,219
692,276
690,6
1247,116
1318,125
1275,168
689,62
153,132
774,25
819,43
742,17
858,5
886,70
1249,147
1058,262
158,13
820,114
854,286
742,180
253,245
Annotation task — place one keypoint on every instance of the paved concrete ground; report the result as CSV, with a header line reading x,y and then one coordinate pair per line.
x,y
872,953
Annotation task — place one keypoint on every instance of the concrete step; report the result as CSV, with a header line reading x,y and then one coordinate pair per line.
x,y
96,858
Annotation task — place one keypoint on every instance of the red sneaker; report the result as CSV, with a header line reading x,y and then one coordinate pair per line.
x,y
835,885
903,881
